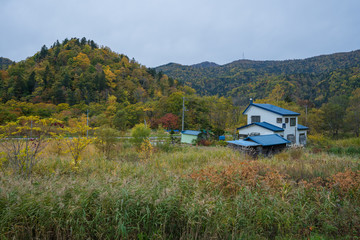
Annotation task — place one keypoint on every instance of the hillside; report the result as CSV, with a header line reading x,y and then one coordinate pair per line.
x,y
5,63
315,79
77,71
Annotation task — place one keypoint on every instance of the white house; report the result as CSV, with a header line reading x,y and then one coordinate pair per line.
x,y
265,119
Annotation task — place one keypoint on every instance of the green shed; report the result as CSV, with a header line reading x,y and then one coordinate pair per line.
x,y
188,136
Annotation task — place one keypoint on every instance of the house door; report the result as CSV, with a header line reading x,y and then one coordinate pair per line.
x,y
302,139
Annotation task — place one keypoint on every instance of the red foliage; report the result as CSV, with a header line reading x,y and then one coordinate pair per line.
x,y
204,142
169,121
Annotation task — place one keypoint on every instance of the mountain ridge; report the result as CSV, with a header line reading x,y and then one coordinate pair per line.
x,y
213,64
315,79
78,70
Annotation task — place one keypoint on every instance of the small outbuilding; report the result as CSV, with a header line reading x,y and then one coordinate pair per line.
x,y
261,144
189,136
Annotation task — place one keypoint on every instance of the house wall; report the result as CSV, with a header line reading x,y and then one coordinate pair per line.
x,y
270,150
270,117
290,129
185,138
265,116
255,129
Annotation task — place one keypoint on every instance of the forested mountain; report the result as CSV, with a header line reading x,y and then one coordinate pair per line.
x,y
77,76
77,71
5,63
315,79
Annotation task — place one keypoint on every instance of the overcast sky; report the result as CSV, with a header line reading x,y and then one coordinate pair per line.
x,y
156,32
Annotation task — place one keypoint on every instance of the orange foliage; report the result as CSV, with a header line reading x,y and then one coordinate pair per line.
x,y
239,175
341,182
345,182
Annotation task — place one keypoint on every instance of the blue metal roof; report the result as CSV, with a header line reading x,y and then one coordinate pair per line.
x,y
264,125
268,140
301,127
273,108
191,132
244,143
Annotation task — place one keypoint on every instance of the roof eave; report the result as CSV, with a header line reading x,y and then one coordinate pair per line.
x,y
252,104
247,108
260,126
291,114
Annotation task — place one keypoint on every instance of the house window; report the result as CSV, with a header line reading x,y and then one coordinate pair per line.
x,y
254,134
242,136
255,119
286,120
292,121
291,138
279,120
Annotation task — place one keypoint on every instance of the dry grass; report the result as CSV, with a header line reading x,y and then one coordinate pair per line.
x,y
187,193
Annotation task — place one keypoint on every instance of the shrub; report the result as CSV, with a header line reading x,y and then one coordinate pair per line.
x,y
204,142
352,150
139,134
318,141
106,140
336,150
145,150
222,143
77,140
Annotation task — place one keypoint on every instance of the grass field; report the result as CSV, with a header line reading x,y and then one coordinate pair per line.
x,y
183,193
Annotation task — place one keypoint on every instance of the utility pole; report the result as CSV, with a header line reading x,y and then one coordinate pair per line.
x,y
183,114
87,123
31,127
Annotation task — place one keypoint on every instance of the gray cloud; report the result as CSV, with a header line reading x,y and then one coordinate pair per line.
x,y
161,31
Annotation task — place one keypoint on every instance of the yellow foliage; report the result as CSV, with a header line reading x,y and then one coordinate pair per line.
x,y
3,159
82,61
146,150
318,140
25,139
110,77
62,107
77,142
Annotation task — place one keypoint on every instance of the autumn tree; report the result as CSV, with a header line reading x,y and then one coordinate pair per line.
x,y
111,109
77,140
169,121
82,61
334,113
120,120
352,118
23,140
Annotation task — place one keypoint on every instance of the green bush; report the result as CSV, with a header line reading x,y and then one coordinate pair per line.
x,y
336,150
139,133
352,150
